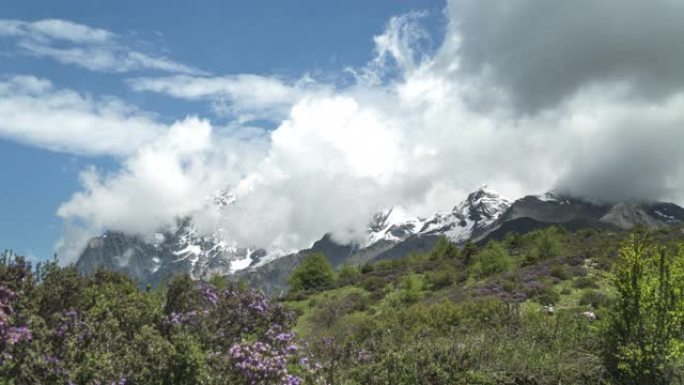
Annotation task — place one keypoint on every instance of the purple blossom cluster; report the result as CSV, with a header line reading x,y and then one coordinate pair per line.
x,y
266,362
178,319
71,324
261,363
210,294
234,310
519,286
10,334
262,345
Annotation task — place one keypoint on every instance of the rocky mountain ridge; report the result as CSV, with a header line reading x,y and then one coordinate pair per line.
x,y
392,233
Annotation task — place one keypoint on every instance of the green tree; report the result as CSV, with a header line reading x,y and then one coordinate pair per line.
x,y
491,260
468,252
444,249
348,273
546,244
314,273
645,330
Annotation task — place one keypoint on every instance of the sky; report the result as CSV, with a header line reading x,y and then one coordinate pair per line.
x,y
315,115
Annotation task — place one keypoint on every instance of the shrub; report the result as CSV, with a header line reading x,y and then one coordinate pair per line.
x,y
410,290
468,251
493,259
313,274
561,272
373,284
644,332
547,296
329,312
367,268
546,244
444,276
347,274
444,249
585,283
594,298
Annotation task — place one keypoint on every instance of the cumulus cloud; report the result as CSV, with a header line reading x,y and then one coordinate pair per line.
x,y
526,96
542,52
80,45
35,112
164,180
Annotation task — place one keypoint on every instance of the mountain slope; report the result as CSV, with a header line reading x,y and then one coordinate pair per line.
x,y
392,233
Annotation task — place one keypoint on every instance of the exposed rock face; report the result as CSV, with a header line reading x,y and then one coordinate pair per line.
x,y
392,233
167,254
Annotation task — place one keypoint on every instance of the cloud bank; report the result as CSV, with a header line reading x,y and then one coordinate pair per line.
x,y
586,97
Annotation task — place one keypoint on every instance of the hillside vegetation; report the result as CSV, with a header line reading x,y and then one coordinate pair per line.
x,y
546,307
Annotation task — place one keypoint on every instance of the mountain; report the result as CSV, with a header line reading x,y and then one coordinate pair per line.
x,y
572,213
169,252
392,233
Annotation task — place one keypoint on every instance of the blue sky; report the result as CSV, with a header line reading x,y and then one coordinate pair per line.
x,y
127,116
264,37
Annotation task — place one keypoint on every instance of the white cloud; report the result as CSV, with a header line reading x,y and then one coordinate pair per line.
x,y
80,45
422,138
243,97
163,181
35,112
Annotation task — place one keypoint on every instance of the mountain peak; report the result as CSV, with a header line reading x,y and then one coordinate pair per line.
x,y
394,224
483,203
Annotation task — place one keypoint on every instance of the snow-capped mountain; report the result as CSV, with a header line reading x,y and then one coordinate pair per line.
x,y
180,249
468,219
184,249
392,233
394,224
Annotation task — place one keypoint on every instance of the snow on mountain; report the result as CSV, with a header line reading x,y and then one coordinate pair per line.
x,y
472,216
552,197
207,254
185,249
394,224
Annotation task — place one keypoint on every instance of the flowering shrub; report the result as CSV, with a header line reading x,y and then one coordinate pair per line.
x,y
9,333
104,330
261,345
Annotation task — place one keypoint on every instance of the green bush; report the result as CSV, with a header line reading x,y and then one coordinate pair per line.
x,y
444,276
410,290
562,272
585,283
546,244
594,298
644,332
373,284
347,274
444,249
547,296
313,274
491,260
